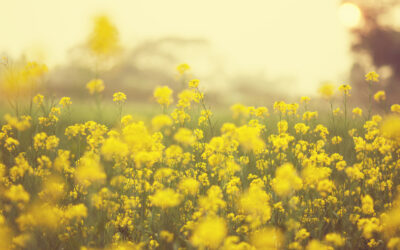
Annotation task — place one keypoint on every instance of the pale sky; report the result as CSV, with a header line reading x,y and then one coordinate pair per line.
x,y
303,40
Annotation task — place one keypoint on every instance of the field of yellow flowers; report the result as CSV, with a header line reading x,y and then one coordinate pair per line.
x,y
269,178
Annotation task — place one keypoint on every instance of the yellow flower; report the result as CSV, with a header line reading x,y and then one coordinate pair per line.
x,y
390,127
302,234
104,39
185,136
335,239
345,88
255,204
167,236
189,186
380,96
267,238
210,232
119,97
372,76
89,170
395,108
21,124
336,140
160,121
194,83
182,68
65,102
305,99
367,205
11,144
22,81
163,95
17,193
286,180
326,90
317,245
38,99
95,86
357,111
165,198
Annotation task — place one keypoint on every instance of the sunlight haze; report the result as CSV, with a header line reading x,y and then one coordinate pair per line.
x,y
303,42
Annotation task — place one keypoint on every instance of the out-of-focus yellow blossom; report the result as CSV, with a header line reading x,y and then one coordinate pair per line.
x,y
213,201
126,119
21,124
255,204
167,236
345,89
302,234
308,115
104,39
357,111
185,136
182,68
42,141
210,232
165,198
186,97
261,112
282,126
189,186
234,243
337,111
194,83
395,108
163,95
89,170
325,187
367,205
326,90
239,110
43,216
11,144
317,245
380,96
372,76
267,238
280,106
336,140
21,81
305,99
394,243
114,147
95,86
22,240
119,97
160,121
335,239
368,226
65,102
301,128
286,180
53,189
249,138
38,99
77,211
17,193
390,127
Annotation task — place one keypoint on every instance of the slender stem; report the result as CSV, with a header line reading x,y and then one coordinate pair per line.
x,y
370,100
345,111
205,108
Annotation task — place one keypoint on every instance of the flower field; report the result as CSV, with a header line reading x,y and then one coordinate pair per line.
x,y
280,176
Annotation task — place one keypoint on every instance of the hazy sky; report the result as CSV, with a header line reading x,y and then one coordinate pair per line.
x,y
302,40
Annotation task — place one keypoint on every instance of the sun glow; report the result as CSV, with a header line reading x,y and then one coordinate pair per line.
x,y
349,15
